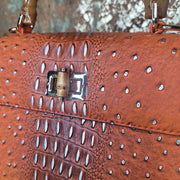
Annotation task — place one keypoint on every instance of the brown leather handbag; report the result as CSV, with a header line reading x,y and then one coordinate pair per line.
x,y
89,105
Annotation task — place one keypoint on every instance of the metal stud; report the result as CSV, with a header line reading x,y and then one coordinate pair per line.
x,y
159,138
52,164
104,107
127,90
58,50
126,73
93,124
24,63
138,104
118,116
122,146
87,160
123,131
110,172
83,137
165,152
102,89
178,142
103,127
40,102
66,151
84,109
45,144
37,84
43,67
37,125
44,161
147,175
70,172
37,142
71,132
83,121
22,142
62,107
74,108
154,122
123,162
139,140
61,168
85,49
46,126
51,104
35,159
115,75
55,67
146,158
149,69
134,155
163,40
161,87
55,146
174,51
77,155
160,168
46,50
109,157
110,143
127,172
114,54
58,128
72,49
80,175
135,57
99,53
32,100
92,141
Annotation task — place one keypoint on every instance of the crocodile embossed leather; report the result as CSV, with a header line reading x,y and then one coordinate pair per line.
x,y
126,126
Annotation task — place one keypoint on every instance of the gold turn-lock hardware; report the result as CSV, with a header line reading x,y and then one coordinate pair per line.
x,y
66,85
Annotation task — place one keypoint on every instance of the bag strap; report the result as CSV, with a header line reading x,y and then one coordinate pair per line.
x,y
27,18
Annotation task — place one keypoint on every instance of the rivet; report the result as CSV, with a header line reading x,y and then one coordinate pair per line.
x,y
4,174
127,172
122,131
102,89
122,146
165,152
24,63
13,93
15,72
123,162
3,141
147,175
127,90
22,142
139,140
160,168
18,118
154,122
163,40
9,127
104,107
146,158
23,157
2,69
161,87
20,127
7,80
134,155
15,134
114,54
10,60
109,157
3,97
23,51
126,73
159,138
9,152
174,51
178,142
110,143
14,165
4,115
9,164
99,53
138,104
115,75
110,172
118,116
135,57
179,169
149,69
46,50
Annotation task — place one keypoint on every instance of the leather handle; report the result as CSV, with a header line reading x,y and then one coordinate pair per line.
x,y
162,8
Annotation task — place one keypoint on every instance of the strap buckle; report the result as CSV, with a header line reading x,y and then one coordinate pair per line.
x,y
64,84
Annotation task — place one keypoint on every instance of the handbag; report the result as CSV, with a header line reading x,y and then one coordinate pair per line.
x,y
89,105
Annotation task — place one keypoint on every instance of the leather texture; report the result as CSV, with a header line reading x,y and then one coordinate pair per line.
x,y
126,128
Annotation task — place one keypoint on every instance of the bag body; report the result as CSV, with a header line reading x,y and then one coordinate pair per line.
x,y
126,126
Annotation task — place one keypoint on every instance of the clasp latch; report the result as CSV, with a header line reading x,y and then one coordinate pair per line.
x,y
64,84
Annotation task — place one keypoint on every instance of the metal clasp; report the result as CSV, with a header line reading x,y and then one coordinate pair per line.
x,y
64,84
